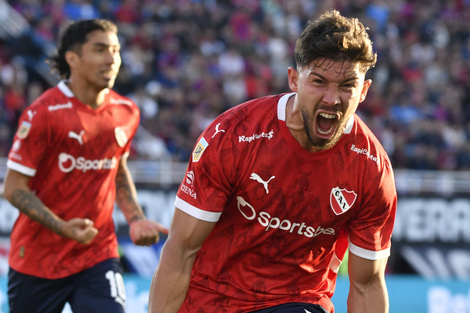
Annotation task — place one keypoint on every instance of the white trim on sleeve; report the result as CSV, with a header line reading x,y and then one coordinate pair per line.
x,y
195,212
21,168
368,254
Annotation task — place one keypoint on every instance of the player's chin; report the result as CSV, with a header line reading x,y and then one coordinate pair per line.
x,y
322,142
109,83
106,81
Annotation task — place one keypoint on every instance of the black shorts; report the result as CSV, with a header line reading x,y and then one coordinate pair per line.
x,y
99,289
295,307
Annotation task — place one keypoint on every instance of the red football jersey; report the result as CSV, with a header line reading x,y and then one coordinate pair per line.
x,y
285,217
72,154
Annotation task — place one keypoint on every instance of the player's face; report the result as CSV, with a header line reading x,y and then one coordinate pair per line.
x,y
99,60
328,94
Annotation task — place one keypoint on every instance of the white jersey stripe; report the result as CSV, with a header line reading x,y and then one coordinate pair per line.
x,y
21,168
195,212
368,254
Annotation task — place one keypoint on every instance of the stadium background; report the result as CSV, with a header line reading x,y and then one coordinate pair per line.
x,y
186,61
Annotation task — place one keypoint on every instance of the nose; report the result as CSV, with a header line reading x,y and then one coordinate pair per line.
x,y
331,96
113,57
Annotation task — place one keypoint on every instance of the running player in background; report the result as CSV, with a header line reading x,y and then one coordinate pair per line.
x,y
66,169
279,187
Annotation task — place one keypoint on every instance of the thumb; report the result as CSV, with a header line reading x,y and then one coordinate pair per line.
x,y
88,222
83,222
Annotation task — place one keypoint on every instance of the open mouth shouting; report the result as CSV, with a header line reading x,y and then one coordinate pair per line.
x,y
326,124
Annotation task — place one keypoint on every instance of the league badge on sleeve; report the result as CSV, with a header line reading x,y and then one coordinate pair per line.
x,y
341,200
23,131
199,150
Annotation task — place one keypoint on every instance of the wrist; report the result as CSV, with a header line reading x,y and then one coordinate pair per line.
x,y
136,218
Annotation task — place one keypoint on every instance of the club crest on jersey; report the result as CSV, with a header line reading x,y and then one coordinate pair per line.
x,y
121,136
23,131
199,150
341,200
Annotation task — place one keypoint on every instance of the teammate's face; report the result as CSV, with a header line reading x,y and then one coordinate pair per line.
x,y
99,60
328,93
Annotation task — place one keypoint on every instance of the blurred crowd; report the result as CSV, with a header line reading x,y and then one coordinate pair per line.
x,y
186,61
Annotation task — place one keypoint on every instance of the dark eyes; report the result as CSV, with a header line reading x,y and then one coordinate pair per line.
x,y
320,82
114,50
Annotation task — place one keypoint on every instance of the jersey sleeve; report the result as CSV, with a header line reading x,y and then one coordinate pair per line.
x,y
134,117
29,142
371,229
208,181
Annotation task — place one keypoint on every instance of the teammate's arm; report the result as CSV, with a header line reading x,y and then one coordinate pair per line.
x,y
18,193
367,290
171,279
142,231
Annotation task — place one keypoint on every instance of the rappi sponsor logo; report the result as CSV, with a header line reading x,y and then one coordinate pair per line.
x,y
68,163
271,222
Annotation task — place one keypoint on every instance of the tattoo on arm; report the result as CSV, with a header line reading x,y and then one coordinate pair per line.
x,y
30,205
126,196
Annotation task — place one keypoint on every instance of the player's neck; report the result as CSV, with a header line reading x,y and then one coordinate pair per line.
x,y
89,95
295,124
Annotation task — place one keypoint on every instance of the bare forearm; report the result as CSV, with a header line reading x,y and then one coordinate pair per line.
x,y
30,205
126,196
170,281
372,298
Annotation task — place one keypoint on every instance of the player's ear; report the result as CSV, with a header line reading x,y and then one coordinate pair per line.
x,y
293,77
72,59
365,89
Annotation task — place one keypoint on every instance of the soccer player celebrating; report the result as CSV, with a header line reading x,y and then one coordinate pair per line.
x,y
66,169
279,187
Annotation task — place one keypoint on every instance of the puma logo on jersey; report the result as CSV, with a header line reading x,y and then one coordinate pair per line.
x,y
217,130
256,177
77,136
31,114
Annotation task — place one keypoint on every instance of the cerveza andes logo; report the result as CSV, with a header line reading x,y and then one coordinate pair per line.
x,y
68,163
271,222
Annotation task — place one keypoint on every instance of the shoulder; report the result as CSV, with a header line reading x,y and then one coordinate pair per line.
x,y
51,100
242,127
364,143
252,113
120,101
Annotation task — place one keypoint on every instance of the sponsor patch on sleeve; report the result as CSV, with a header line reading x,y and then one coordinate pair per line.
x,y
199,150
23,131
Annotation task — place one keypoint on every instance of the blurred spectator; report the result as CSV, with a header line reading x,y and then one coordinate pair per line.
x,y
186,61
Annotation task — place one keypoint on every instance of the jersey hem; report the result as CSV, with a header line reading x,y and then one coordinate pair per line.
x,y
195,212
21,168
368,254
62,274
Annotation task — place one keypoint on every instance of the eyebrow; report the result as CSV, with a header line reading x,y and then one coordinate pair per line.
x,y
347,79
100,44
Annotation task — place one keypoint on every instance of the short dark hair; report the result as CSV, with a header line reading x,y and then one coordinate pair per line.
x,y
73,37
335,37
